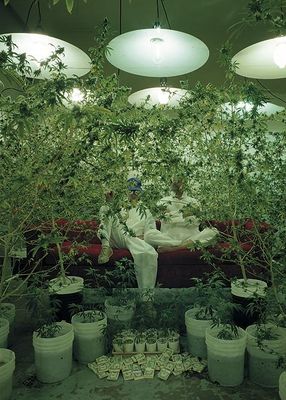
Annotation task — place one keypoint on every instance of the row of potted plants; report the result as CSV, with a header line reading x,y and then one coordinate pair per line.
x,y
150,340
212,334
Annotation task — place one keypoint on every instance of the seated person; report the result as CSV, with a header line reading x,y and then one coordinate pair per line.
x,y
129,235
180,221
137,233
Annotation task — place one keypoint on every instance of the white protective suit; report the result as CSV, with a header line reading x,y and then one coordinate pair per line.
x,y
180,228
111,232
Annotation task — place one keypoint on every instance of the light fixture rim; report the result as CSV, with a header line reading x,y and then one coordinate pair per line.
x,y
150,103
57,42
122,60
271,70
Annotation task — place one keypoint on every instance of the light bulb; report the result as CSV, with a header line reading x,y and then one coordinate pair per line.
x,y
157,50
279,54
38,48
163,96
76,96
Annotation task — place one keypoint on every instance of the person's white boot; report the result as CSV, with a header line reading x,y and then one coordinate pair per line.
x,y
105,254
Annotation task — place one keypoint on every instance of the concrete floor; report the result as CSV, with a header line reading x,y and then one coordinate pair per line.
x,y
84,384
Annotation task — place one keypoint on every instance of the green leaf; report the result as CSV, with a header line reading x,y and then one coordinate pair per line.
x,y
55,2
6,2
70,4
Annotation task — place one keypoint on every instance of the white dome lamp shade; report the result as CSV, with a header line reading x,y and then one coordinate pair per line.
x,y
263,60
240,107
39,47
158,96
157,52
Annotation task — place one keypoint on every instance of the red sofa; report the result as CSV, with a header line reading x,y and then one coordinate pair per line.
x,y
175,268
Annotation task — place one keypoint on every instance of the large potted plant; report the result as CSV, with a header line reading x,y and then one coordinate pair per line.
x,y
266,347
90,335
120,306
208,293
53,345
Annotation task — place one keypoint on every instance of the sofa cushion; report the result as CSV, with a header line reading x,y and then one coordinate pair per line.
x,y
92,250
81,231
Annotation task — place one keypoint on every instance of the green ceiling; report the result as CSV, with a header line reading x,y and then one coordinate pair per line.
x,y
209,20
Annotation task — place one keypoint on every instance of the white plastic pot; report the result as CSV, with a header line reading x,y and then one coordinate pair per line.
x,y
140,347
123,313
8,311
262,365
225,357
4,332
128,347
69,285
53,356
7,367
282,386
151,347
248,289
196,333
162,345
89,337
117,347
174,344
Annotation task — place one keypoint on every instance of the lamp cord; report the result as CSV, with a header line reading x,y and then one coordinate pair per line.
x,y
29,12
120,31
39,15
158,12
165,12
269,91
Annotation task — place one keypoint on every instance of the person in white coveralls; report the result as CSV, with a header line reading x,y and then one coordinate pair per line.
x,y
113,234
180,221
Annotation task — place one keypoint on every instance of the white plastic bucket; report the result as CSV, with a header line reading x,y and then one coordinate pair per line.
x,y
282,386
119,313
174,345
151,347
7,367
89,337
140,347
248,289
53,356
225,357
262,365
69,285
128,347
196,332
4,332
162,346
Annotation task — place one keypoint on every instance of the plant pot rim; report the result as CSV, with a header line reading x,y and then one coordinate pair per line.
x,y
251,331
74,284
66,328
213,331
77,318
191,313
248,289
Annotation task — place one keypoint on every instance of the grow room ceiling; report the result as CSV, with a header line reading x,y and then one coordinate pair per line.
x,y
208,20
